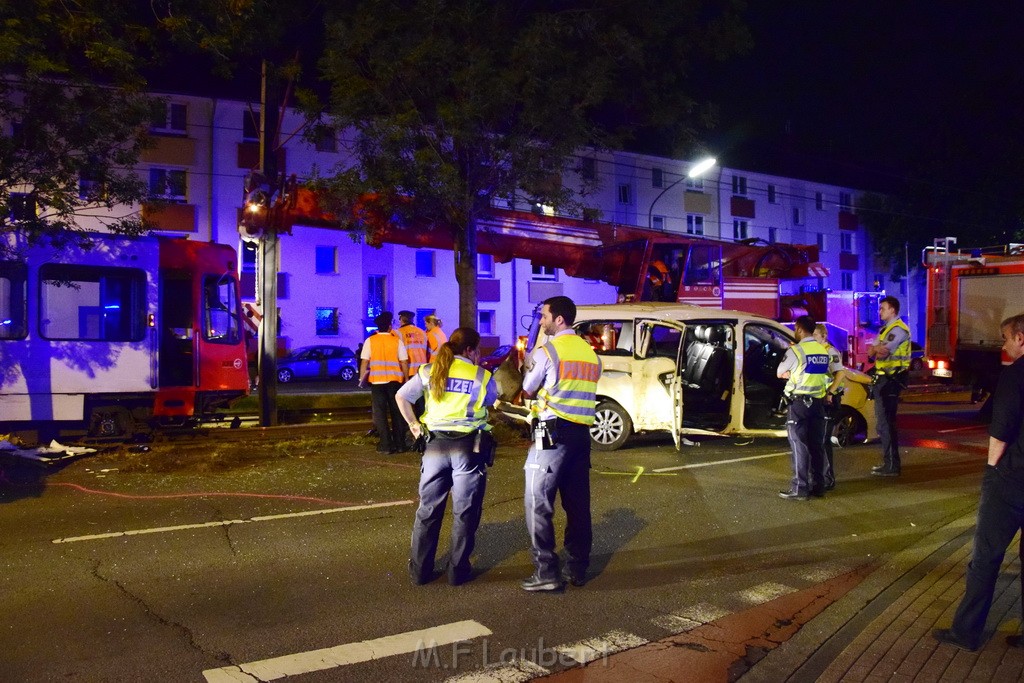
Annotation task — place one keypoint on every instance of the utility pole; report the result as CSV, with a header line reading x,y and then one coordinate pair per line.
x,y
268,257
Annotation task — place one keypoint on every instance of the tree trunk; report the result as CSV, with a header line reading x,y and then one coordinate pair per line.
x,y
465,274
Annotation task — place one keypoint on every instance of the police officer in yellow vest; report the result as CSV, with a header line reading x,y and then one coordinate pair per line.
x,y
562,375
458,393
891,352
806,367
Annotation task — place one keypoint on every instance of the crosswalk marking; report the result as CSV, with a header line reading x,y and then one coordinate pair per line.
x,y
673,623
518,671
349,653
765,592
597,648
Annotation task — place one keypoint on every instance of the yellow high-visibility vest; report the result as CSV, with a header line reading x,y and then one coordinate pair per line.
x,y
574,396
899,360
461,408
811,376
384,363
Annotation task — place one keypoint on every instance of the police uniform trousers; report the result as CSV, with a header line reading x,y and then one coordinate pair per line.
x,y
1000,516
887,400
831,418
448,465
563,470
384,406
805,427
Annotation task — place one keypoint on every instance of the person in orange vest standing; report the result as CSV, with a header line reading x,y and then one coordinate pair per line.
x,y
435,335
384,363
415,341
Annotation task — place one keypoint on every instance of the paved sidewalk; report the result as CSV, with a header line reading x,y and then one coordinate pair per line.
x,y
870,625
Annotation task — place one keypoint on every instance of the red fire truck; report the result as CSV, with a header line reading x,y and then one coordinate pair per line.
x,y
970,291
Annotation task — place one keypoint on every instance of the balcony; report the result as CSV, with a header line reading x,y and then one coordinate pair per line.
x,y
170,217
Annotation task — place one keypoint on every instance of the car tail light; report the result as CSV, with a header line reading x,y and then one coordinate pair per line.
x,y
931,364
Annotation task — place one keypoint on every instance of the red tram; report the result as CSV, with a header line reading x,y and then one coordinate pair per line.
x,y
125,335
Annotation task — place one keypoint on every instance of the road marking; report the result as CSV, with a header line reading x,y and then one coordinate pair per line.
x,y
640,472
421,642
674,623
228,522
765,592
720,462
518,671
600,647
961,429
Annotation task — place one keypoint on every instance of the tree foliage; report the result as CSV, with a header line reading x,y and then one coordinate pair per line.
x,y
457,102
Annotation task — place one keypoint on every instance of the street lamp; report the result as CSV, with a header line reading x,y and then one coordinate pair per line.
x,y
701,167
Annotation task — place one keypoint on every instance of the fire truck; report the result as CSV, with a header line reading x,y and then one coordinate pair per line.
x,y
970,291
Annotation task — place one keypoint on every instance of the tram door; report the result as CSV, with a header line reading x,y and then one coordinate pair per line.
x,y
177,330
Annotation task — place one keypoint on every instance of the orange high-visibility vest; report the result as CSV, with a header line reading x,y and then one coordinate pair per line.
x,y
384,363
415,341
435,337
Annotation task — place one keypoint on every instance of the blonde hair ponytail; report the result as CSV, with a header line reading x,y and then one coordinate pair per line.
x,y
462,339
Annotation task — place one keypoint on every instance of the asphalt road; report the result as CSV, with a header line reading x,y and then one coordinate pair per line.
x,y
114,571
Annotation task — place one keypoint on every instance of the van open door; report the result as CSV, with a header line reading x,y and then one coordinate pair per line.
x,y
661,360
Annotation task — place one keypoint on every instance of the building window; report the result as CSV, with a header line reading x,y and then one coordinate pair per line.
x,y
695,184
773,235
170,117
484,265
819,201
326,321
739,185
845,201
421,316
658,222
625,196
375,295
251,125
739,230
168,184
248,252
22,206
326,260
485,322
772,195
588,168
846,278
821,241
694,224
657,178
798,216
846,243
544,273
327,140
879,282
424,263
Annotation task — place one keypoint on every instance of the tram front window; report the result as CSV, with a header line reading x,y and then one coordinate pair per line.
x,y
221,324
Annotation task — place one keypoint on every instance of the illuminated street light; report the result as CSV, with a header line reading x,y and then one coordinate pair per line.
x,y
698,169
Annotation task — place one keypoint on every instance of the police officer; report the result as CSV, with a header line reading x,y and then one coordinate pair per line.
x,y
563,375
457,455
833,401
415,341
891,352
383,363
805,366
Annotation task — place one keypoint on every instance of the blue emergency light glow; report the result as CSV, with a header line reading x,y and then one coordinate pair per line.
x,y
6,322
112,307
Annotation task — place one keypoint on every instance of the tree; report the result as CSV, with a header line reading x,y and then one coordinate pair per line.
x,y
458,103
73,116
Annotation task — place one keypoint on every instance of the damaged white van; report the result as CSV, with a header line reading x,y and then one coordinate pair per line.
x,y
692,370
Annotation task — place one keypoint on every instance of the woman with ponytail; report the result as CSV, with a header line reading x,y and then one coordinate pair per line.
x,y
457,453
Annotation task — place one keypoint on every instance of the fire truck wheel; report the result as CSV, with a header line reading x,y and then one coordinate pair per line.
x,y
612,427
850,427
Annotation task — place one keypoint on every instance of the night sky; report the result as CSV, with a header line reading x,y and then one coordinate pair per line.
x,y
878,93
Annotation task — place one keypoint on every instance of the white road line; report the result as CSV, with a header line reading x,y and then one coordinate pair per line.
x,y
673,623
720,462
765,592
228,522
961,429
421,642
600,647
704,612
516,671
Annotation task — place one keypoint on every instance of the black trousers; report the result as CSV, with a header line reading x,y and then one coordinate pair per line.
x,y
1000,515
384,405
831,417
887,400
805,427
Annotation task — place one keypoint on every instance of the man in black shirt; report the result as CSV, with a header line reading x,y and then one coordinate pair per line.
x,y
1001,508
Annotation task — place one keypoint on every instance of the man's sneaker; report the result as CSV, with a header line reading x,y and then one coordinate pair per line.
x,y
575,578
536,584
946,635
792,495
886,472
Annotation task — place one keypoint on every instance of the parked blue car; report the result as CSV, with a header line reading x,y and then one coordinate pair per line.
x,y
318,362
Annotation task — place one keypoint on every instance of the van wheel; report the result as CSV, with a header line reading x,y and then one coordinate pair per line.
x,y
612,427
850,427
